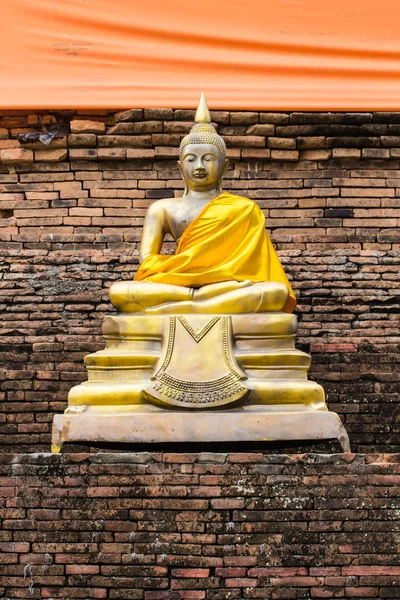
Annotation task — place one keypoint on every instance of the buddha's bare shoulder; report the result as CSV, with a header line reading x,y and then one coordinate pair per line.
x,y
162,206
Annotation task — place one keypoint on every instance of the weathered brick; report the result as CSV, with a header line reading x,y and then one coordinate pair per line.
x,y
389,141
158,114
375,153
311,142
14,156
245,141
263,129
164,152
182,127
56,143
352,142
148,127
281,143
166,139
274,118
134,114
77,140
254,154
315,154
138,154
53,155
316,117
83,154
284,155
7,144
111,153
82,126
132,141
121,129
346,153
243,118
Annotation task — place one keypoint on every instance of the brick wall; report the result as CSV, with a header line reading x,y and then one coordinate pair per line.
x,y
199,526
74,189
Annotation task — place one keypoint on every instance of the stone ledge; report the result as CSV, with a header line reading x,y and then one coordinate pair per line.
x,y
359,460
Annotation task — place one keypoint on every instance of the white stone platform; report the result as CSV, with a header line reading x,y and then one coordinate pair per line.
x,y
147,424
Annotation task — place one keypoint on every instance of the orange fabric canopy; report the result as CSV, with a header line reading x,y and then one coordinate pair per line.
x,y
266,55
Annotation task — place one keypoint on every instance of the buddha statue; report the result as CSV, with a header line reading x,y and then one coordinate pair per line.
x,y
224,262
202,345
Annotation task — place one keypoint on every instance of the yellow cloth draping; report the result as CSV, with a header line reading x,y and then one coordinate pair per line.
x,y
226,242
268,55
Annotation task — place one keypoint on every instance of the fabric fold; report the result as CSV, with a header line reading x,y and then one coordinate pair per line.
x,y
226,242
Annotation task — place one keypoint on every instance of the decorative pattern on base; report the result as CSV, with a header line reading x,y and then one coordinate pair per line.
x,y
195,375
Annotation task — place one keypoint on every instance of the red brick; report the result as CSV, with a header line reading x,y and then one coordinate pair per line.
x,y
243,118
241,582
83,154
6,144
15,156
371,570
102,492
191,573
346,153
82,126
231,572
247,141
315,154
111,153
134,114
82,569
361,592
141,153
284,155
52,155
14,547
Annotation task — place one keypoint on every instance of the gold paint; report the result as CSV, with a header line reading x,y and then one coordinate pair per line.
x,y
261,345
207,328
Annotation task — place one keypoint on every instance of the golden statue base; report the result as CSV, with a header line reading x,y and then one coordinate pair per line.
x,y
203,378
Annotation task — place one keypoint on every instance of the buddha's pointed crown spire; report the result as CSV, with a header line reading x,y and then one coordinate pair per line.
x,y
203,132
202,113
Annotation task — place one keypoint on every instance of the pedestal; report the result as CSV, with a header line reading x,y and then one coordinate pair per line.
x,y
205,378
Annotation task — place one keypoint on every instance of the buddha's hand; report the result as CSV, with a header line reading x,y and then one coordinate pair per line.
x,y
216,289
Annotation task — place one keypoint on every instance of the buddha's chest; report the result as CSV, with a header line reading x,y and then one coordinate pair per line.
x,y
182,216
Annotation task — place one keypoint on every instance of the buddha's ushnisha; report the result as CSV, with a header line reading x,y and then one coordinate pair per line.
x,y
224,262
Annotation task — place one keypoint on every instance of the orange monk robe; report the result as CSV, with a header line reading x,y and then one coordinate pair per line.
x,y
226,242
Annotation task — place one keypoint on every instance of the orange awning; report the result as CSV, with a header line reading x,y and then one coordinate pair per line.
x,y
265,55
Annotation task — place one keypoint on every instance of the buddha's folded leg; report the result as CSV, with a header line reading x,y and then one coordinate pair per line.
x,y
136,296
216,289
274,296
260,297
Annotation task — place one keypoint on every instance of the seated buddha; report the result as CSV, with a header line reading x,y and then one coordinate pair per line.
x,y
224,263
202,345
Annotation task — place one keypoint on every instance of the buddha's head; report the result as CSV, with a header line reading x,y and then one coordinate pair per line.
x,y
202,154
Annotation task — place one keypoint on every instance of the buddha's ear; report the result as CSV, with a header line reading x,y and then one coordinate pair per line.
x,y
224,167
185,191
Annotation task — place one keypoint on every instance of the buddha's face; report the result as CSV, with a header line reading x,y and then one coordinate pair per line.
x,y
202,166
